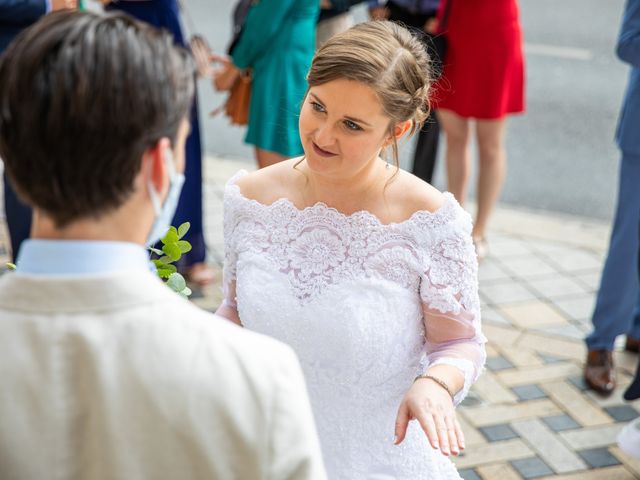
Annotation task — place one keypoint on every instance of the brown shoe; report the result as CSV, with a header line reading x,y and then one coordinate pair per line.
x,y
632,344
599,373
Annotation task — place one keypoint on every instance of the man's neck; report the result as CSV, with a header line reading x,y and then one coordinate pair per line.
x,y
106,228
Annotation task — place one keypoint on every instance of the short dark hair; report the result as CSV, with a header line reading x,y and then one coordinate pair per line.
x,y
82,96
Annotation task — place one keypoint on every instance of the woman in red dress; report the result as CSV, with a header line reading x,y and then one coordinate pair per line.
x,y
483,79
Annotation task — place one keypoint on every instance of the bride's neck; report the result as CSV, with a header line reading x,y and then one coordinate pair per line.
x,y
347,193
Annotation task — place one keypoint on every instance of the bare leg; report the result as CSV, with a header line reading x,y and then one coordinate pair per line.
x,y
492,169
456,129
266,158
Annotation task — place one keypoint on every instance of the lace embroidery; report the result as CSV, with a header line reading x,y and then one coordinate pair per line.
x,y
320,246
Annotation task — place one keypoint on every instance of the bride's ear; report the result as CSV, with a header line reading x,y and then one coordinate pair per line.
x,y
401,128
398,130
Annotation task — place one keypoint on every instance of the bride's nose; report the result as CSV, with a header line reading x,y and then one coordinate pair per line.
x,y
324,136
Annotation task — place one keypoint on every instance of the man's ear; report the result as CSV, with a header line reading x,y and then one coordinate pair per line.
x,y
155,167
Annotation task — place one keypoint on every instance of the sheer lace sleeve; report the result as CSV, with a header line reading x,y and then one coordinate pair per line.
x,y
451,307
232,217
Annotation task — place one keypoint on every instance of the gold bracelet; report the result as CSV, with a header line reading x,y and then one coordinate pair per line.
x,y
440,382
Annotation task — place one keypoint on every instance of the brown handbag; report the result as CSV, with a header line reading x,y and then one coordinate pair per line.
x,y
237,106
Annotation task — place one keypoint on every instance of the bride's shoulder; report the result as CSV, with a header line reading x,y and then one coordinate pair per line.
x,y
268,184
415,195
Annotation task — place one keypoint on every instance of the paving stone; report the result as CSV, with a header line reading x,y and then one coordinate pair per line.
x,y
496,364
576,260
622,413
496,452
569,331
599,458
560,423
560,347
491,315
591,279
550,358
490,270
469,474
575,404
531,467
576,308
548,446
533,314
472,436
631,463
511,292
578,382
496,433
593,437
520,356
492,391
509,247
611,473
501,336
558,286
626,361
486,415
529,392
501,471
544,373
471,400
533,266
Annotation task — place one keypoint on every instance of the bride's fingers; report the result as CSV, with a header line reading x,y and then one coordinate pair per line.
x,y
402,421
429,427
454,444
459,433
443,433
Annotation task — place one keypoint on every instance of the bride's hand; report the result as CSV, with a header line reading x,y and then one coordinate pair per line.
x,y
432,406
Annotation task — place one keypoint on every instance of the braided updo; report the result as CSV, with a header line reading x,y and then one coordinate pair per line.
x,y
386,57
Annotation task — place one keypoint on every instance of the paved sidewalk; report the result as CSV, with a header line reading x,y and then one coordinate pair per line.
x,y
529,415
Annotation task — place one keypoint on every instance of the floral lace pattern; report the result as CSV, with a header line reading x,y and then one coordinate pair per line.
x,y
352,297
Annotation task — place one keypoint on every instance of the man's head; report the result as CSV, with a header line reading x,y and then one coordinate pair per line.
x,y
89,105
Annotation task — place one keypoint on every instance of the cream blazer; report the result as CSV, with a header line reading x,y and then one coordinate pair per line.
x,y
117,377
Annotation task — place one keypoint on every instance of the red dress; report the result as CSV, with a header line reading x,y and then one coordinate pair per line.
x,y
483,75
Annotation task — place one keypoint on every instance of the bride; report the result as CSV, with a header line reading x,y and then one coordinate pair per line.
x,y
366,271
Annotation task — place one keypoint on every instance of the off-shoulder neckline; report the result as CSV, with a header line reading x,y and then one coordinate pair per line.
x,y
449,203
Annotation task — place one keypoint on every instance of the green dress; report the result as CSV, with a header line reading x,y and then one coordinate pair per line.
x,y
277,43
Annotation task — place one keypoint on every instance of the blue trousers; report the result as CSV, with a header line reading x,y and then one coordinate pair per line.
x,y
617,310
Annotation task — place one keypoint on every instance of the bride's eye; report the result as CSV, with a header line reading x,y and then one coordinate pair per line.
x,y
317,107
352,126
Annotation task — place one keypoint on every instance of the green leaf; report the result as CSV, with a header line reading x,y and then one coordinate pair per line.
x,y
171,236
186,293
165,271
155,250
184,246
165,260
176,282
172,250
183,229
12,266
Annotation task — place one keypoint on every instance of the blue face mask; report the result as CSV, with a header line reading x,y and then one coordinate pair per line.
x,y
165,212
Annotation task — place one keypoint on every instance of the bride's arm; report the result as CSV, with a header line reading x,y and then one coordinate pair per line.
x,y
228,308
453,340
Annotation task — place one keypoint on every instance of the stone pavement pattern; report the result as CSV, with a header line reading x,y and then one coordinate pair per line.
x,y
529,415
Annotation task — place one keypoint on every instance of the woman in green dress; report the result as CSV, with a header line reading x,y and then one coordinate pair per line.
x,y
277,43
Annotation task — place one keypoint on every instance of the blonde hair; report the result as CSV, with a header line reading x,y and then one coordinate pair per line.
x,y
386,57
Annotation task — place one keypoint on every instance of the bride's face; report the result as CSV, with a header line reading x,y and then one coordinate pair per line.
x,y
342,128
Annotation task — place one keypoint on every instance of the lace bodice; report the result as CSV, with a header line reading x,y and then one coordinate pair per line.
x,y
366,306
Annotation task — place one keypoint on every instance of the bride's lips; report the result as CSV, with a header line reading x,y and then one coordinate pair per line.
x,y
321,152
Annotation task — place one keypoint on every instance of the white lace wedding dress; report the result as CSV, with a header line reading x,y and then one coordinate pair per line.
x,y
352,296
